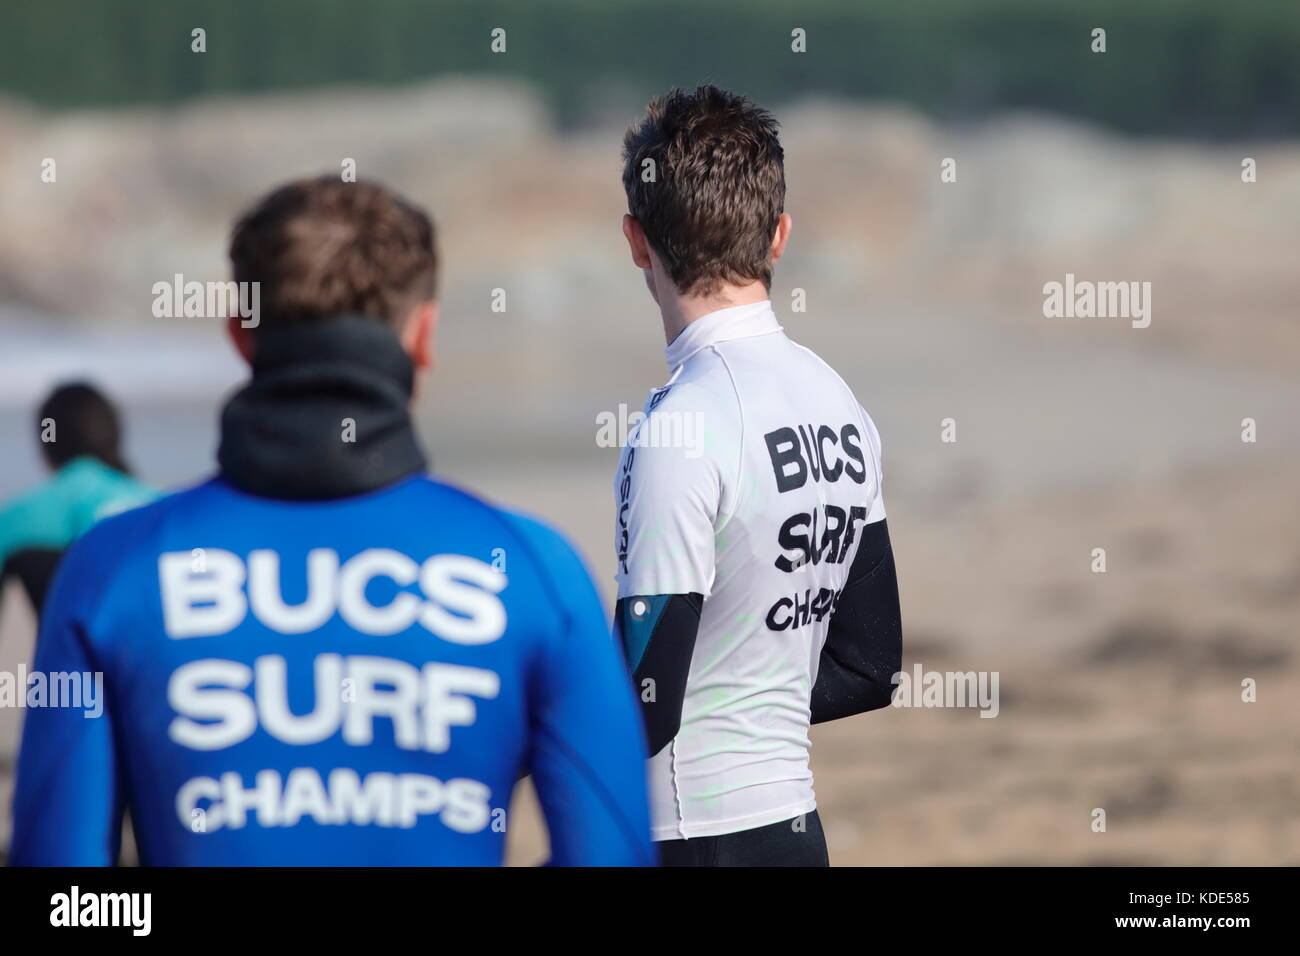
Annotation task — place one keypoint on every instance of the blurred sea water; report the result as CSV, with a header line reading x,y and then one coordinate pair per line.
x,y
167,379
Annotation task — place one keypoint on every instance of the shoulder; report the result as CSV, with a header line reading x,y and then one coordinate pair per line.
x,y
558,560
128,532
555,580
110,557
823,366
537,533
58,512
705,383
692,421
23,512
841,386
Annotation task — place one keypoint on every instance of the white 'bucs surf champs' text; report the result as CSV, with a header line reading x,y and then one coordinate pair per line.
x,y
749,482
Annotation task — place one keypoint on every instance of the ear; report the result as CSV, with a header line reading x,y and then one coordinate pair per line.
x,y
418,334
636,242
241,337
783,227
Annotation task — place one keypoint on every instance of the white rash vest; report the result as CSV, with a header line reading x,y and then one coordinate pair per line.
x,y
749,481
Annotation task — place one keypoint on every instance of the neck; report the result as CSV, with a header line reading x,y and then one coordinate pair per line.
x,y
325,415
679,310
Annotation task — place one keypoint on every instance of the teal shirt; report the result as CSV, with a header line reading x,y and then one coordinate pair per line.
x,y
56,513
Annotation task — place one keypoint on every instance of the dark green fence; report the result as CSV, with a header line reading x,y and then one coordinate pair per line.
x,y
1211,68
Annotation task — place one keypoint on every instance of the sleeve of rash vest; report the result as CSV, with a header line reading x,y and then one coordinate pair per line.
x,y
68,799
587,752
658,636
864,645
668,498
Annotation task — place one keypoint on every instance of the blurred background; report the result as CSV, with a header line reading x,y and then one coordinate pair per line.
x,y
1119,690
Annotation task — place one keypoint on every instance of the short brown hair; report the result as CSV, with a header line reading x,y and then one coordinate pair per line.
x,y
718,189
323,247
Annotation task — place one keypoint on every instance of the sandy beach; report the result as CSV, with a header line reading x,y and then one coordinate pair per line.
x,y
1119,690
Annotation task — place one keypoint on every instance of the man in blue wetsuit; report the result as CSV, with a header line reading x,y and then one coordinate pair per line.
x,y
321,656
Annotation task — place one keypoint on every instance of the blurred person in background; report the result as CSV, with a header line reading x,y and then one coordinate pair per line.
x,y
432,645
80,435
756,583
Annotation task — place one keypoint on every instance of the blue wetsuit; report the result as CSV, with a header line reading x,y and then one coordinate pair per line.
x,y
325,679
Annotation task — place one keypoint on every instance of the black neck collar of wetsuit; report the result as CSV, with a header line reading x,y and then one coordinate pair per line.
x,y
285,434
